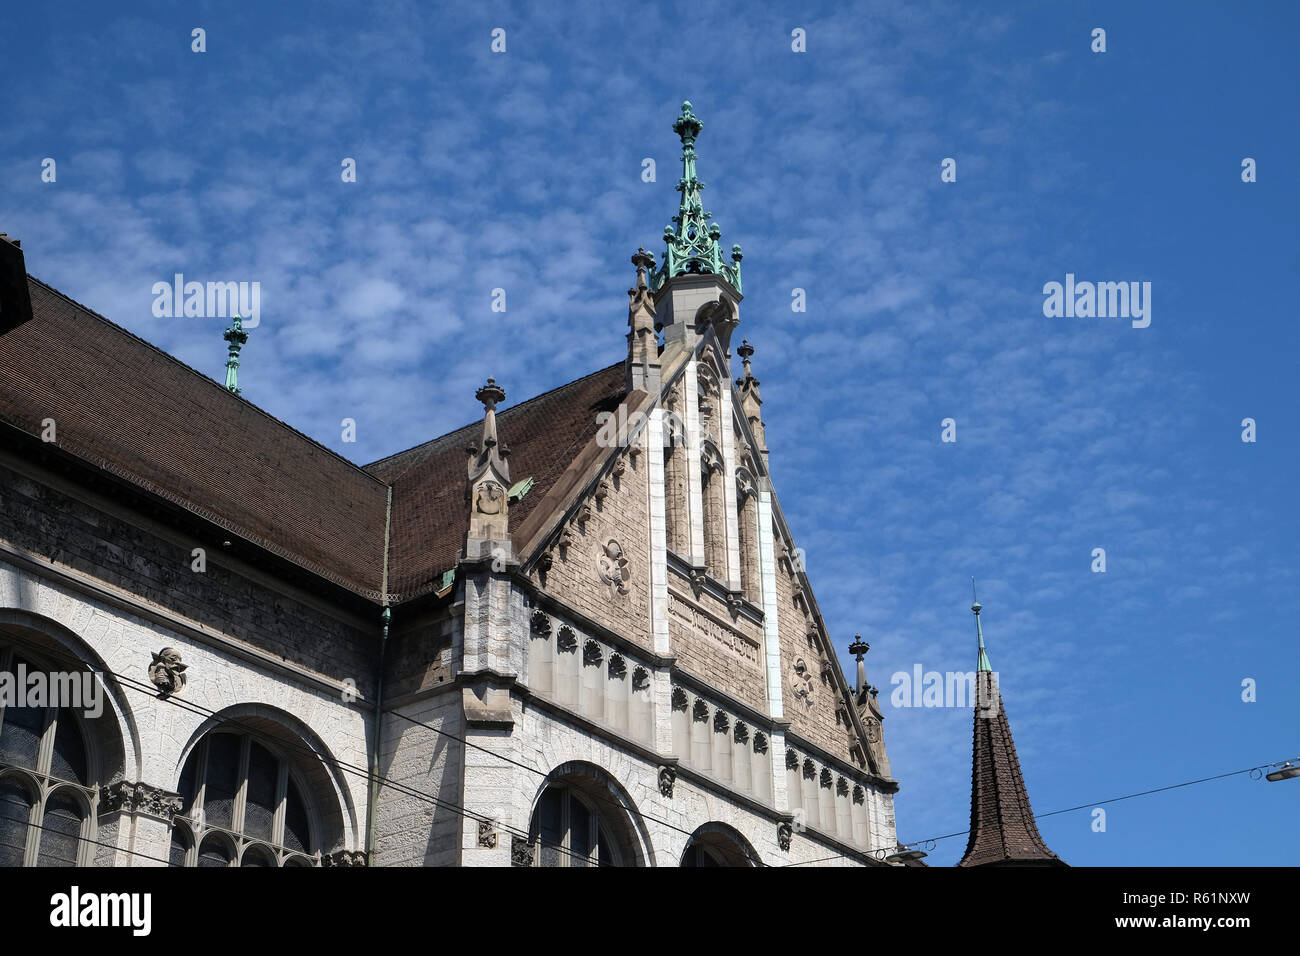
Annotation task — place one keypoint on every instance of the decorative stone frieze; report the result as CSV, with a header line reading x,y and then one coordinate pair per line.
x,y
344,858
521,851
566,640
127,797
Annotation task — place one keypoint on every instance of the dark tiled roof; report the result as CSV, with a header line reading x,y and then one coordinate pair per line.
x,y
430,514
1002,828
125,406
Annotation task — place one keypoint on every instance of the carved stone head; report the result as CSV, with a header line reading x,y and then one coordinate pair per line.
x,y
167,673
489,498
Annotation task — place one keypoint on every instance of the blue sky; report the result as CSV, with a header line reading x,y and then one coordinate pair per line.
x,y
522,171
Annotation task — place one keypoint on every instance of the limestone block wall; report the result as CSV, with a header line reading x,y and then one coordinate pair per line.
x,y
600,564
421,655
603,683
810,696
545,745
70,615
422,762
825,798
44,516
725,651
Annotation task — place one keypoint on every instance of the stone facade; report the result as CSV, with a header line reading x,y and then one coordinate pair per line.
x,y
64,618
597,650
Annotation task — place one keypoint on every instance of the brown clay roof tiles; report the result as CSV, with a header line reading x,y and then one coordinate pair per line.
x,y
430,514
125,406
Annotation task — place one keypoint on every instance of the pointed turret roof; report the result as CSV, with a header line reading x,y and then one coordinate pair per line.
x,y
1002,828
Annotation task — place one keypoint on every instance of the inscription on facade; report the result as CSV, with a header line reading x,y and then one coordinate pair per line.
x,y
685,616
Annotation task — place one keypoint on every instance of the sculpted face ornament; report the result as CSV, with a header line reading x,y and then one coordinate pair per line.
x,y
783,834
667,777
167,673
802,683
872,728
612,565
489,499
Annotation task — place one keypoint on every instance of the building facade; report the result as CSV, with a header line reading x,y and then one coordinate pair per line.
x,y
575,632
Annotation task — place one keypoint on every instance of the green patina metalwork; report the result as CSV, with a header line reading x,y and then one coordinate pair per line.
x,y
236,336
694,246
984,664
519,489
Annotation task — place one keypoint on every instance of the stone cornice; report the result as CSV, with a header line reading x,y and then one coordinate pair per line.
x,y
755,718
794,742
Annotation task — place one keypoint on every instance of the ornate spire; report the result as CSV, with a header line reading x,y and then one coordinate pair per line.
x,y
1002,828
488,479
694,246
642,343
864,698
750,400
859,649
236,336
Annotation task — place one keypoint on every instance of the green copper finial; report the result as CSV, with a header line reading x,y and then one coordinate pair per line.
x,y
984,664
236,336
693,245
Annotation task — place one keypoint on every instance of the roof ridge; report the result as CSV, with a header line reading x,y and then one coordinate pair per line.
x,y
539,396
204,378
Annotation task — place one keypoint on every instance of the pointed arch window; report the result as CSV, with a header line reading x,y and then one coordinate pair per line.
x,y
676,485
712,474
747,526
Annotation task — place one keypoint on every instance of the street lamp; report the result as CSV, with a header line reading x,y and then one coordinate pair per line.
x,y
905,854
1285,771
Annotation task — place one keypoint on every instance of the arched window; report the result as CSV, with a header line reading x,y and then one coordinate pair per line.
x,y
579,821
48,790
747,526
713,511
676,489
571,832
716,844
243,807
700,854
